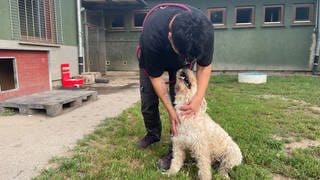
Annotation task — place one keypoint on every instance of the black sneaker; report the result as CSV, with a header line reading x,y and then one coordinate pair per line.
x,y
146,141
165,162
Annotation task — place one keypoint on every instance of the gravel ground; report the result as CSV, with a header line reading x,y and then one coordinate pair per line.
x,y
28,142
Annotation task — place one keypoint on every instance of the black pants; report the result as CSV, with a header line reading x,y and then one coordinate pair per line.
x,y
150,103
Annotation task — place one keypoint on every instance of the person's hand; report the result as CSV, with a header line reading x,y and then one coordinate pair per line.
x,y
191,108
174,121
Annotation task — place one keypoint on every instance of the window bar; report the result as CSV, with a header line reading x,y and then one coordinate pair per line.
x,y
56,21
14,17
48,13
51,18
60,21
33,22
42,17
45,20
39,20
11,23
26,19
19,25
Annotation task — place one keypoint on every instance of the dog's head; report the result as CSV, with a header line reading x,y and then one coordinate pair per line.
x,y
186,83
186,88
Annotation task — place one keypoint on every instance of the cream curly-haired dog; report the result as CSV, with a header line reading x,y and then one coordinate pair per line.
x,y
205,139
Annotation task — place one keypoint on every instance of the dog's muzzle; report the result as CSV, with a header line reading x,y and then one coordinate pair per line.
x,y
183,76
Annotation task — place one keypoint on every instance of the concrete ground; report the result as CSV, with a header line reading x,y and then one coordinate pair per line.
x,y
28,142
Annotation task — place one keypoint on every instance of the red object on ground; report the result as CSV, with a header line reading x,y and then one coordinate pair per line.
x,y
66,80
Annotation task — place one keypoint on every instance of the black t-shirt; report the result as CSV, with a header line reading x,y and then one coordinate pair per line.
x,y
157,54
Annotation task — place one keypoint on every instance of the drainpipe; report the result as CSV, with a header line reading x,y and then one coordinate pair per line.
x,y
80,40
317,49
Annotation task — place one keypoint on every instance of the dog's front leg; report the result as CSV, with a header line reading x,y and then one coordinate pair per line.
x,y
178,159
202,156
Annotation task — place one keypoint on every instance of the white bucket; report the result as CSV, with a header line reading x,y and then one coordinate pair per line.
x,y
252,77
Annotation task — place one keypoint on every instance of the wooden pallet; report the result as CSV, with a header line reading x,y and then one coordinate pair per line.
x,y
52,102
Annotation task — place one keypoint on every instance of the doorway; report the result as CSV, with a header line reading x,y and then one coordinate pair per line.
x,y
8,77
95,42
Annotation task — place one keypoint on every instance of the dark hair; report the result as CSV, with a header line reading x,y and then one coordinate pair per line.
x,y
192,34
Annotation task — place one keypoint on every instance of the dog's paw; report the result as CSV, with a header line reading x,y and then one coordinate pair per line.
x,y
169,172
224,174
165,173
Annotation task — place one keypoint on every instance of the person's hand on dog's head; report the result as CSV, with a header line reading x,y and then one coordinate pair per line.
x,y
191,108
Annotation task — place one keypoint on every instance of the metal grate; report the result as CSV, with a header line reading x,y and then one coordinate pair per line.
x,y
36,20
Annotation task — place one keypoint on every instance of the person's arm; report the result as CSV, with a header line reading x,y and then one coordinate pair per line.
x,y
203,77
161,89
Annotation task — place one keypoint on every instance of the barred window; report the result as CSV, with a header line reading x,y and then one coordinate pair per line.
x,y
117,22
273,15
244,16
138,18
218,17
303,14
36,20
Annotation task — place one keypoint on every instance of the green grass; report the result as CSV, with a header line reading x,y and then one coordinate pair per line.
x,y
252,114
7,112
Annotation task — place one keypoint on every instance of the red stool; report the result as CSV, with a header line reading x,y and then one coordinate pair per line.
x,y
66,80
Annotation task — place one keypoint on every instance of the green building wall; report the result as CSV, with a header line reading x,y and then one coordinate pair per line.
x,y
5,31
68,15
69,22
257,48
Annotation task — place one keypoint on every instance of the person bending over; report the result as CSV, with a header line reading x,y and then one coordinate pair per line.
x,y
174,36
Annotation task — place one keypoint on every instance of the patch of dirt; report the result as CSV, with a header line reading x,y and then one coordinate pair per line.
x,y
311,112
295,143
286,139
303,144
315,109
270,96
310,109
280,177
96,144
136,164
